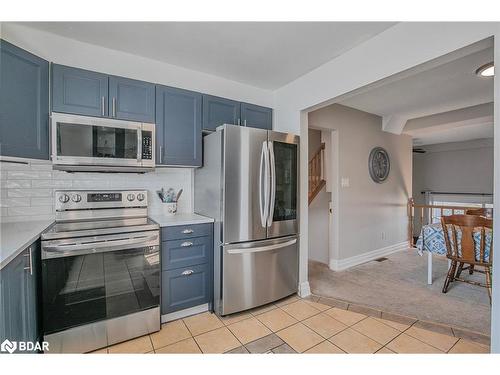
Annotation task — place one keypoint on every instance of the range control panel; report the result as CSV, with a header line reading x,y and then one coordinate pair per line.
x,y
85,199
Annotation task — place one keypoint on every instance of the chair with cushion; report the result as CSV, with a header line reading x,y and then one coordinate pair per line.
x,y
468,240
486,212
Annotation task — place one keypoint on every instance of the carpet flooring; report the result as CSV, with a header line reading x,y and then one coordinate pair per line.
x,y
399,285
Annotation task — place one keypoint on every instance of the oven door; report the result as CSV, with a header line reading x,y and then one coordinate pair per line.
x,y
89,141
90,279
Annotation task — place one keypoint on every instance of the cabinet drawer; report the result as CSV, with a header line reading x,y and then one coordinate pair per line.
x,y
185,287
180,232
186,252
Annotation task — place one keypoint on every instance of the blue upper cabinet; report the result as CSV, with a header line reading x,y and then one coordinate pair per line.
x,y
132,100
178,127
218,111
256,116
79,91
24,103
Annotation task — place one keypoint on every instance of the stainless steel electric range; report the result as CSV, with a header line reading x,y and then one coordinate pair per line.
x,y
100,270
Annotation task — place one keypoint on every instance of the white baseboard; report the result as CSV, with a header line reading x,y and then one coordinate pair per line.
x,y
183,313
343,264
304,289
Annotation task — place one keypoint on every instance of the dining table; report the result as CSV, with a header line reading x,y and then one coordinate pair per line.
x,y
431,240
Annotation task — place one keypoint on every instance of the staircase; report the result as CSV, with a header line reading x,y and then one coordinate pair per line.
x,y
316,176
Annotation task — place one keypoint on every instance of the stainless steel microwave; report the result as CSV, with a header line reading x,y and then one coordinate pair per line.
x,y
82,143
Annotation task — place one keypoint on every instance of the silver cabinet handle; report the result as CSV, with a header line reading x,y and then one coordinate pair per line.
x,y
239,121
244,122
187,231
30,266
103,103
113,102
187,272
161,154
186,244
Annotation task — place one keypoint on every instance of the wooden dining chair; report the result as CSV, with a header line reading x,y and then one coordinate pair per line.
x,y
458,233
486,212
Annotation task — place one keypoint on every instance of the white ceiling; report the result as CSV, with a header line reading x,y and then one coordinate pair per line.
x,y
262,54
442,87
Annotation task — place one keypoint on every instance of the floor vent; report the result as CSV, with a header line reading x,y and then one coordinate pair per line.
x,y
380,259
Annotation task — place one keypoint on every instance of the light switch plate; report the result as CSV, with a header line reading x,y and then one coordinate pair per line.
x,y
344,182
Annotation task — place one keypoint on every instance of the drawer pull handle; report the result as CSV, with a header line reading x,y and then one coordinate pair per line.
x,y
187,272
187,231
186,244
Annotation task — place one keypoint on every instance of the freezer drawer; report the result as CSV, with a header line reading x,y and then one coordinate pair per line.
x,y
256,273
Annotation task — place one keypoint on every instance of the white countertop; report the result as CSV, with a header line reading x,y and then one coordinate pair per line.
x,y
179,219
17,236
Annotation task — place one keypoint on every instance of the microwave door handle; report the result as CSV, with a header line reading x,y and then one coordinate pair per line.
x,y
139,145
273,183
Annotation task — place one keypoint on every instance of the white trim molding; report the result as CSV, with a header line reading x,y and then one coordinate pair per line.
x,y
343,264
304,289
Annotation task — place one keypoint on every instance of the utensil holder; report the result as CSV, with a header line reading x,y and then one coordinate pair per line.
x,y
169,208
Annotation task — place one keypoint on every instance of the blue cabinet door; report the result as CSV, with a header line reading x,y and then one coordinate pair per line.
x,y
19,319
255,116
185,287
79,91
178,127
24,103
132,100
218,111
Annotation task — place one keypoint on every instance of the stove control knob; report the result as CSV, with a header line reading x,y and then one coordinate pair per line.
x,y
141,197
63,198
130,197
76,198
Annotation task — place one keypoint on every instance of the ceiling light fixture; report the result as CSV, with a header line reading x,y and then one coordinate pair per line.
x,y
486,70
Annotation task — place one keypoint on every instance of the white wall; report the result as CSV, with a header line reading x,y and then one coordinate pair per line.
x,y
71,52
371,216
318,212
457,167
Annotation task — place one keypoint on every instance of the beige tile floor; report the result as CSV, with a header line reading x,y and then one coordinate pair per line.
x,y
311,325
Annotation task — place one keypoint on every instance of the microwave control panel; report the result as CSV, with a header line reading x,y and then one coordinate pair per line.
x,y
147,145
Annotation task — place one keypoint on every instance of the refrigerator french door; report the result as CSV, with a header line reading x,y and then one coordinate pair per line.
x,y
260,192
249,185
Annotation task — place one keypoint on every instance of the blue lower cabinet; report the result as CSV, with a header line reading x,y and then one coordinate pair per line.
x,y
186,287
19,318
24,103
180,232
187,252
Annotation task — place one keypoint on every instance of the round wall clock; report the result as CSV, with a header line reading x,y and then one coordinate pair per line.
x,y
379,164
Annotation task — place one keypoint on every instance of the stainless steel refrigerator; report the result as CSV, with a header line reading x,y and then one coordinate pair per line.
x,y
249,183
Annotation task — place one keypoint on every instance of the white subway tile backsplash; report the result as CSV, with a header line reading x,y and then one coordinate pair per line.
x,y
13,184
60,184
16,193
42,201
15,202
28,174
27,190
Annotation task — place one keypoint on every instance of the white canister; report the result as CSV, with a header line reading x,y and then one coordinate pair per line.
x,y
169,208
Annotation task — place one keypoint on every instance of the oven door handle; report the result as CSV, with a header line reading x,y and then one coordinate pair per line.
x,y
55,251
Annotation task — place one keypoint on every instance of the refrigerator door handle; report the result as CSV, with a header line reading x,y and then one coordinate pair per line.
x,y
273,184
264,174
262,248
